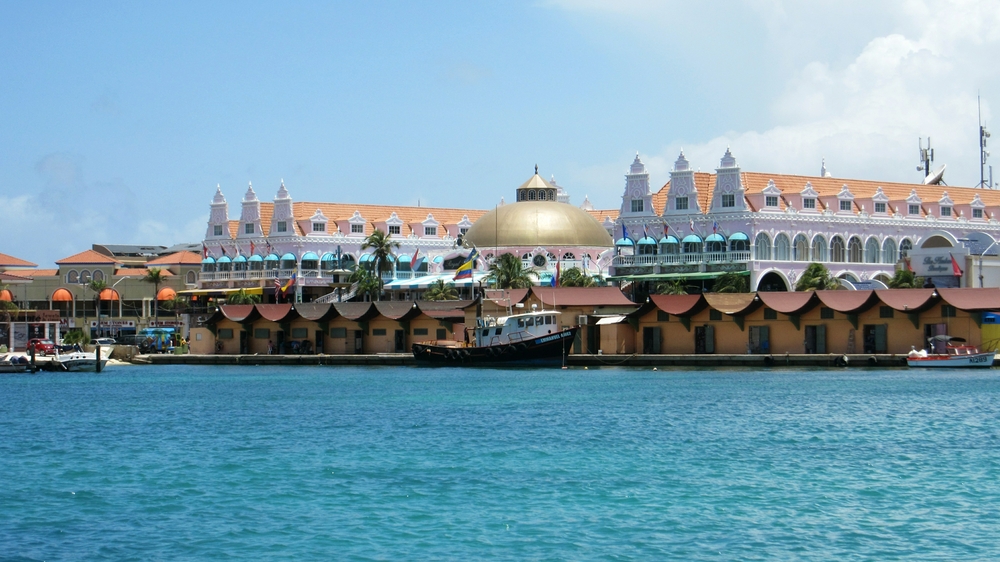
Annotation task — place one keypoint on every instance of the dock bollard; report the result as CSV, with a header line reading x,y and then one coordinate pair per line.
x,y
97,357
33,366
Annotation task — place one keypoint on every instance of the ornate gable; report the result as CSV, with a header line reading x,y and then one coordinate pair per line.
x,y
318,224
880,196
282,213
250,215
637,200
218,218
682,198
728,195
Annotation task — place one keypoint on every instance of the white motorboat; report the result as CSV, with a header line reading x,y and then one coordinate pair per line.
x,y
80,361
956,355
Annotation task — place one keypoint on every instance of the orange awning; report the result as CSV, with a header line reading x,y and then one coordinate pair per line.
x,y
166,294
62,295
5,295
109,295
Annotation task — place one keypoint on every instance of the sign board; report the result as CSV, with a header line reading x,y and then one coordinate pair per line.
x,y
936,262
114,323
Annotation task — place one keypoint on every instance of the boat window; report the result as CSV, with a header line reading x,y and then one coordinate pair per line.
x,y
520,322
529,322
498,331
548,320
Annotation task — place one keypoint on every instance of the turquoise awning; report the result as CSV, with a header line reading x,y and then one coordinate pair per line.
x,y
289,256
310,256
255,257
271,257
624,242
739,236
692,239
715,238
669,239
225,259
240,259
648,241
208,260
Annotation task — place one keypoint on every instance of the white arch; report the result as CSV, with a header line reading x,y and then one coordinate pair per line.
x,y
756,281
943,234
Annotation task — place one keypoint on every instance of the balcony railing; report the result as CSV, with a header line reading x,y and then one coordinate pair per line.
x,y
679,259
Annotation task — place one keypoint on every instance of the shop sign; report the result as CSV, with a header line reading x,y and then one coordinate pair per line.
x,y
165,323
937,262
114,323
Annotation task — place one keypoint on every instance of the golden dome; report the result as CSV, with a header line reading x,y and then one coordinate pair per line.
x,y
528,224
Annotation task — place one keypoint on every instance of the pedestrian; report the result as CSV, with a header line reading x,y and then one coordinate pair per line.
x,y
270,347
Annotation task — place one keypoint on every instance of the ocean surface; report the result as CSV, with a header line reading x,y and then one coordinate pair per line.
x,y
216,463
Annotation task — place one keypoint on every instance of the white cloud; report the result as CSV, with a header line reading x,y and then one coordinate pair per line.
x,y
863,112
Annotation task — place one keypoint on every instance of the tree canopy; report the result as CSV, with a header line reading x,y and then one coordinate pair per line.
x,y
507,272
440,291
816,277
731,282
575,277
382,246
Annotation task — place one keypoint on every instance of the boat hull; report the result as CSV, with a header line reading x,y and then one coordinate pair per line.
x,y
76,362
547,349
973,360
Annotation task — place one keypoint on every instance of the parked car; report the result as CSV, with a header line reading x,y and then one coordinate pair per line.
x,y
103,341
41,347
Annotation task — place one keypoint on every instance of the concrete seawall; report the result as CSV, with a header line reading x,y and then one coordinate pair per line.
x,y
576,360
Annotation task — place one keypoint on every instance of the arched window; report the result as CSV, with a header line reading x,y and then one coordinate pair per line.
x,y
819,249
191,278
762,247
782,248
854,252
871,250
838,250
889,251
568,256
800,248
531,195
692,244
84,277
715,243
739,242
72,277
904,247
98,275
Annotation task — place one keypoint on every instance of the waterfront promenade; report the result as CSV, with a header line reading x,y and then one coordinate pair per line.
x,y
573,360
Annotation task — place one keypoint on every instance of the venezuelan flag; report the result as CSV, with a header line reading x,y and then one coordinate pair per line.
x,y
289,283
464,271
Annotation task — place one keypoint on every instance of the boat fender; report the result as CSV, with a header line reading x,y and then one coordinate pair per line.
x,y
522,347
465,354
841,361
873,361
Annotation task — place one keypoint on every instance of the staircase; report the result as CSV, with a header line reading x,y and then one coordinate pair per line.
x,y
333,297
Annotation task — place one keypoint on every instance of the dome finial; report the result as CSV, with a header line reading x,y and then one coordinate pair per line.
x,y
536,168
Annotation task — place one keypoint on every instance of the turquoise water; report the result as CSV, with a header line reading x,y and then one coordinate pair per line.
x,y
207,463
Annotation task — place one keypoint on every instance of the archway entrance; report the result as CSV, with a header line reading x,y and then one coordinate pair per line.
x,y
772,282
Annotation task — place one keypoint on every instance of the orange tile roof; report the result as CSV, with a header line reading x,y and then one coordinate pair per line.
x,y
11,261
39,273
138,272
87,257
755,182
177,258
10,278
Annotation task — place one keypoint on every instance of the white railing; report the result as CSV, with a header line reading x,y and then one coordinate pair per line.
x,y
677,259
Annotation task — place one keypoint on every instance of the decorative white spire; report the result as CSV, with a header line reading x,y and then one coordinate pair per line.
x,y
728,160
682,164
823,172
250,195
219,197
282,192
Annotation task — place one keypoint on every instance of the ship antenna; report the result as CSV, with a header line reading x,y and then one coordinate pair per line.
x,y
983,153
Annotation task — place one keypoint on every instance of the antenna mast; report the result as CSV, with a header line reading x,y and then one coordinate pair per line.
x,y
926,157
983,153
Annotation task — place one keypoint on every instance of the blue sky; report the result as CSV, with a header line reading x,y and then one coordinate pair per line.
x,y
117,120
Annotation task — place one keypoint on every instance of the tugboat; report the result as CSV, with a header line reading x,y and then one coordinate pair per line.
x,y
529,338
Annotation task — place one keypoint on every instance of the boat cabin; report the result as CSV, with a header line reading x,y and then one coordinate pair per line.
x,y
516,327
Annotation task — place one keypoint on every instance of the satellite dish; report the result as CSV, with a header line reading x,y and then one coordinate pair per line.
x,y
936,177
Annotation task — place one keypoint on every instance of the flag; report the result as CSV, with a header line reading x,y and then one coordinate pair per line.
x,y
252,249
691,224
289,283
908,266
555,278
223,248
645,232
715,227
625,232
204,252
464,271
414,260
268,247
955,270
238,250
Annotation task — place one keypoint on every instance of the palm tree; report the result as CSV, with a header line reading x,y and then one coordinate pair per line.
x,y
242,297
575,277
177,304
905,279
382,247
816,277
368,283
438,291
730,282
98,286
155,276
674,287
507,272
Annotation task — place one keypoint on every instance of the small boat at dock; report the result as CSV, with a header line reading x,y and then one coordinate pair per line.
x,y
957,355
13,364
80,361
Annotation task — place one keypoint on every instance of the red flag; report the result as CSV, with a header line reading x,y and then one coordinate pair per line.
x,y
558,268
908,266
204,252
252,248
413,260
223,248
955,270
